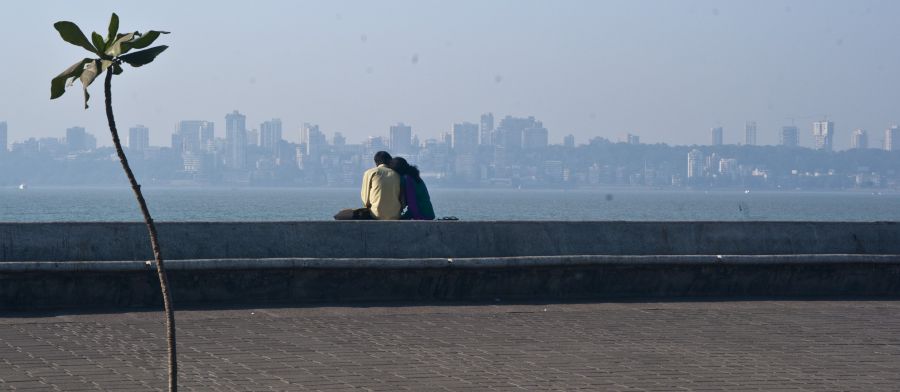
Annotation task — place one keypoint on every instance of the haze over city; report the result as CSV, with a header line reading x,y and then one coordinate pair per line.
x,y
667,71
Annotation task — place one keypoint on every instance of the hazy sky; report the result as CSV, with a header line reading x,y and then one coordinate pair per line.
x,y
665,70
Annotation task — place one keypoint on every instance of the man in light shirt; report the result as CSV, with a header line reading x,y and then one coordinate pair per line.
x,y
381,189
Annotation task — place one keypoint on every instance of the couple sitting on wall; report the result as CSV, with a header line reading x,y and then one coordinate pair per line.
x,y
389,187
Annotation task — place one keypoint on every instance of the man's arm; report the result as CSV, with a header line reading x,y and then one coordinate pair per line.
x,y
364,192
375,196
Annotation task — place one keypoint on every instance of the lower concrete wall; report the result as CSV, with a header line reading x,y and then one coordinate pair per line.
x,y
271,282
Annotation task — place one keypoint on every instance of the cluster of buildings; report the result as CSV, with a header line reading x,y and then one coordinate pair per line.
x,y
504,152
702,167
822,133
262,155
77,140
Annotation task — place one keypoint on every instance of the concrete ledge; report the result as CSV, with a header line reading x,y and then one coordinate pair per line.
x,y
347,239
482,262
35,285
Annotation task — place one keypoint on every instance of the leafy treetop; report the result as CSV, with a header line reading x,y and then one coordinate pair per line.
x,y
111,51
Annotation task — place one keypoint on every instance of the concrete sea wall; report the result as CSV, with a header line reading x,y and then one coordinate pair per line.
x,y
128,241
84,265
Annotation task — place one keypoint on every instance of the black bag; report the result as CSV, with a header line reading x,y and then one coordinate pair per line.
x,y
358,213
354,214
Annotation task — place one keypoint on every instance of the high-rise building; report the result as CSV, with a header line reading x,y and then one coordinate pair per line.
x,y
29,146
509,133
338,139
300,156
728,167
253,137
715,136
860,139
790,136
630,138
270,135
823,135
487,128
554,171
138,138
695,164
465,165
375,143
711,163
235,140
313,139
465,137
194,163
401,135
50,145
750,133
4,137
91,142
76,139
892,138
569,141
193,135
207,135
535,138
177,142
306,130
188,136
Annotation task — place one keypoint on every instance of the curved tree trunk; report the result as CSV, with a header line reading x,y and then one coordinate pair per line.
x,y
154,240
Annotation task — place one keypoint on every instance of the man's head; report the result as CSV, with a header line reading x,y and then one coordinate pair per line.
x,y
382,158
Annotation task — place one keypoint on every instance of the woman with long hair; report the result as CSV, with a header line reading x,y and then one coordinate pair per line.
x,y
418,202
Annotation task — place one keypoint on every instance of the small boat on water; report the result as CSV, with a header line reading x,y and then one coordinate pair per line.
x,y
23,187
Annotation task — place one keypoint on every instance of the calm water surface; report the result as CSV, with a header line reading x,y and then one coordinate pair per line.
x,y
276,204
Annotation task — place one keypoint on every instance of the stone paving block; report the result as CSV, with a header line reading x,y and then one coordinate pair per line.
x,y
760,345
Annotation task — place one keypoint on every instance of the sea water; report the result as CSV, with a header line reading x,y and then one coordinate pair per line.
x,y
38,204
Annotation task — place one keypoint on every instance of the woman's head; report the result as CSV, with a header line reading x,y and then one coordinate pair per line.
x,y
403,168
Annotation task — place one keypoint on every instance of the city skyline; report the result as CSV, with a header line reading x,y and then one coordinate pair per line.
x,y
511,152
820,135
517,155
667,71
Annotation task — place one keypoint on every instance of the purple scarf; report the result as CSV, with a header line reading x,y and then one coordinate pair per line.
x,y
411,202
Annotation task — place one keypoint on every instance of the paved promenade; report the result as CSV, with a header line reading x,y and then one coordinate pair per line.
x,y
766,345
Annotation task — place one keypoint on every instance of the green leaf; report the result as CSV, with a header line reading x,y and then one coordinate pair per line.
x,y
116,48
142,57
98,42
58,84
72,34
91,71
145,40
113,27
